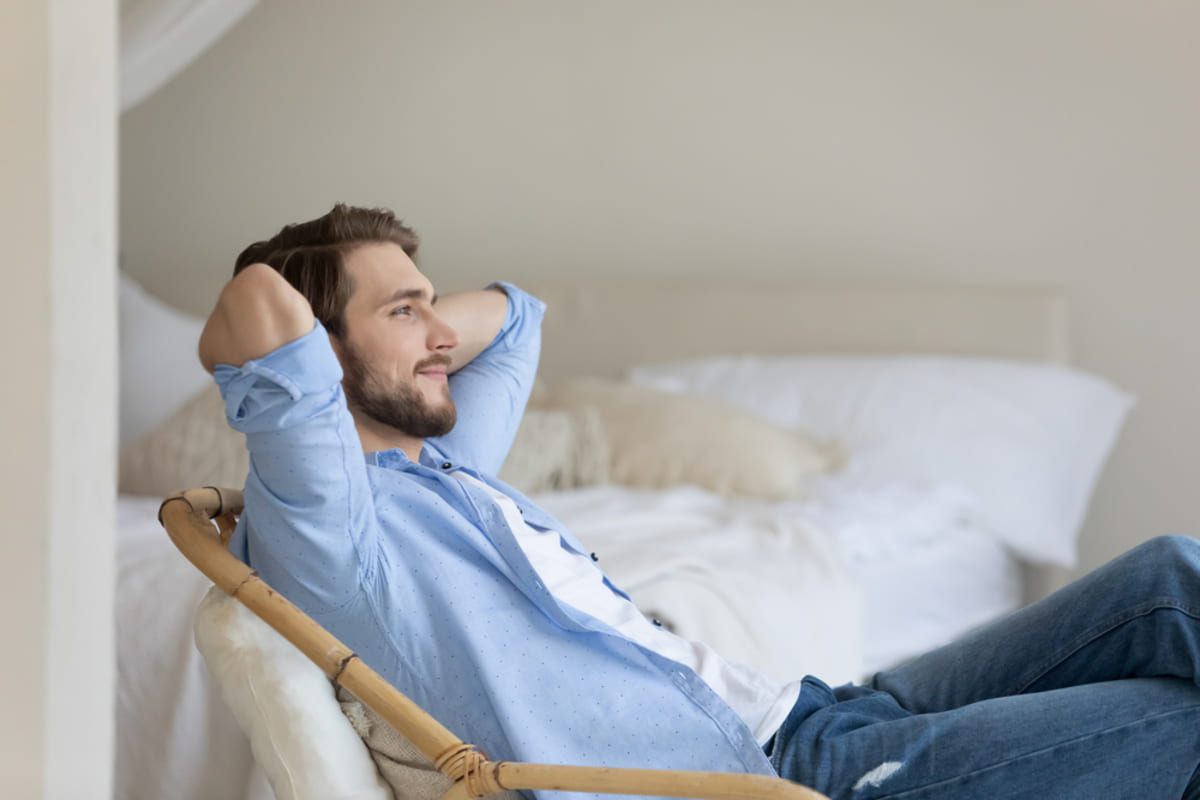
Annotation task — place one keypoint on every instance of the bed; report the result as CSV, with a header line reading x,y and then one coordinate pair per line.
x,y
869,470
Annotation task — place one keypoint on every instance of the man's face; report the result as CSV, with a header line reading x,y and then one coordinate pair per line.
x,y
394,353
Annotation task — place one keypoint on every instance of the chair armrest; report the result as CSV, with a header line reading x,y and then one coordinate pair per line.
x,y
655,782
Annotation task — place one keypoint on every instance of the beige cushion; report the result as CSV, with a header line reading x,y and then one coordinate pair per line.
x,y
557,450
658,439
194,447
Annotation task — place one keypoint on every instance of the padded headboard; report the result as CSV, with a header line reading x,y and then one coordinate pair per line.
x,y
601,329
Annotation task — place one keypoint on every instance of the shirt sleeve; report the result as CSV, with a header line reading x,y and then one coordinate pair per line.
x,y
309,524
491,391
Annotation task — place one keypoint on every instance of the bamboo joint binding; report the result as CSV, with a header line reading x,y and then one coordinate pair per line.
x,y
465,762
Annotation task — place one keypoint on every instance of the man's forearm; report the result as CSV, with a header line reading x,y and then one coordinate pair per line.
x,y
477,317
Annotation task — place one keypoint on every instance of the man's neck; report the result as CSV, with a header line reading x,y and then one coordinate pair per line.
x,y
377,437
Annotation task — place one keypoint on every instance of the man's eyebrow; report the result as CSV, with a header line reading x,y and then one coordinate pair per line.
x,y
407,294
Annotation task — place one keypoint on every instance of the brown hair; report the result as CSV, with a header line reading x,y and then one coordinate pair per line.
x,y
311,255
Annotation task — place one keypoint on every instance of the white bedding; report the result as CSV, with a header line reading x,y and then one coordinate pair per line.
x,y
739,575
927,569
928,595
855,580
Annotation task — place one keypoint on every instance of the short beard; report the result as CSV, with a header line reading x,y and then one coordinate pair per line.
x,y
400,406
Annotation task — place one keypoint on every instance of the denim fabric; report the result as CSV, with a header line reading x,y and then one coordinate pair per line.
x,y
1090,693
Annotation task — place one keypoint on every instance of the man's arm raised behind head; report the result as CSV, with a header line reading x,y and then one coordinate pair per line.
x,y
491,390
258,312
476,317
309,522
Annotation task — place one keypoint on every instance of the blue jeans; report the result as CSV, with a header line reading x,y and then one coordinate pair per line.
x,y
1090,693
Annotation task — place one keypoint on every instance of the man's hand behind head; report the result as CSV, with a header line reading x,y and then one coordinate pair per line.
x,y
258,312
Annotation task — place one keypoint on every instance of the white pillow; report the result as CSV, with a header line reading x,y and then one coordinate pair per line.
x,y
286,707
159,368
1027,440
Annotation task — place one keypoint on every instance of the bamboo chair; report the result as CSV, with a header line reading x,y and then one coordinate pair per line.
x,y
200,523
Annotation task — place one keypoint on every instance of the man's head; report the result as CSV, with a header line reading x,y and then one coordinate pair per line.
x,y
311,255
355,268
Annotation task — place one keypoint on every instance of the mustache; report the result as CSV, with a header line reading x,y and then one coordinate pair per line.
x,y
439,360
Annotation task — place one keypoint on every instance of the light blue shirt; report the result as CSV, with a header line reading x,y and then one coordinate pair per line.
x,y
421,575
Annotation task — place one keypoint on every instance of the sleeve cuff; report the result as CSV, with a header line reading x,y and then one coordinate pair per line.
x,y
301,367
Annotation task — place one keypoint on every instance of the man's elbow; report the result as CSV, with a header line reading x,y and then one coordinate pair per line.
x,y
258,312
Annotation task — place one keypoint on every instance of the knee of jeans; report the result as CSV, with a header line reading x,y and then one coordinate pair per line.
x,y
1162,553
1171,546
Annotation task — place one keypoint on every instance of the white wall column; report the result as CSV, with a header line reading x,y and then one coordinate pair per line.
x,y
57,406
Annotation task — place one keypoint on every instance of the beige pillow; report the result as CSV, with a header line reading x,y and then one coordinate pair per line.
x,y
194,447
557,450
658,439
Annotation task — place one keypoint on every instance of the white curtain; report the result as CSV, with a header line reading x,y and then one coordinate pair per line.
x,y
161,37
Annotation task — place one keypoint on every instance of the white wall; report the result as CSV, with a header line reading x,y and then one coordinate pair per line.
x,y
58,407
1032,141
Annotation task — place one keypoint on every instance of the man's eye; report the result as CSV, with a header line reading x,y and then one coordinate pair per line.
x,y
401,311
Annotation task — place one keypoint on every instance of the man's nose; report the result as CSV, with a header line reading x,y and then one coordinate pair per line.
x,y
441,335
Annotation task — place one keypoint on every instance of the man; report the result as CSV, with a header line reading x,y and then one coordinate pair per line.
x,y
374,434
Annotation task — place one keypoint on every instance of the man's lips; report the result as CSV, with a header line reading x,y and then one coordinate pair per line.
x,y
435,368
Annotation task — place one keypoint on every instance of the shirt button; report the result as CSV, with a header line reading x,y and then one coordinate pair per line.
x,y
657,622
446,465
595,557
